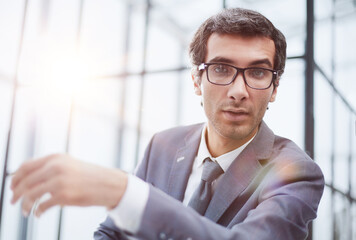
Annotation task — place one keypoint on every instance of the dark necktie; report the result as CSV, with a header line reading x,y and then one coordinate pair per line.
x,y
202,195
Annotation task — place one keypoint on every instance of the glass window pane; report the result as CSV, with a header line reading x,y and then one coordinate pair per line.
x,y
54,67
342,145
323,224
324,126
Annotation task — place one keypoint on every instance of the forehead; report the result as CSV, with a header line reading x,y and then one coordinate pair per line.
x,y
240,50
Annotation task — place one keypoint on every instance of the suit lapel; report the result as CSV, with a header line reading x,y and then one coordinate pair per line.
x,y
241,172
183,162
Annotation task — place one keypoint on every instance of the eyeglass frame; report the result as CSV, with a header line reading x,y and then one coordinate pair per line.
x,y
205,66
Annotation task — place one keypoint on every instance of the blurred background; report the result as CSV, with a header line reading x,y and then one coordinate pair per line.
x,y
97,79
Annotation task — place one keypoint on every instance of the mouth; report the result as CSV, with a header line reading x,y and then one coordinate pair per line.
x,y
235,115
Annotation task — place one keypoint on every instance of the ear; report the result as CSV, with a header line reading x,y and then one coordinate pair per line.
x,y
197,85
274,94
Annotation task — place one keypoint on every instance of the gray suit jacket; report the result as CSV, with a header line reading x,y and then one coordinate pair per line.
x,y
270,191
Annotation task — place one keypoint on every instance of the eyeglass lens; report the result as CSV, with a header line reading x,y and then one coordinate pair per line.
x,y
222,74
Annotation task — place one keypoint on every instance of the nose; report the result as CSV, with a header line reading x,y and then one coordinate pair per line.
x,y
238,89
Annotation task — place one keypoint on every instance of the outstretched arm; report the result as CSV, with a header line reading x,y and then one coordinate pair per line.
x,y
287,201
69,182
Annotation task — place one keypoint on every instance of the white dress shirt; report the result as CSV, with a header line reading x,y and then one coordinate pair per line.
x,y
127,215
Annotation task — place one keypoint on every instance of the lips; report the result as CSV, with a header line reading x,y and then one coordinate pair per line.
x,y
236,110
235,114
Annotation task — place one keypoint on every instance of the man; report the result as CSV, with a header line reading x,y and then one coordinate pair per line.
x,y
264,187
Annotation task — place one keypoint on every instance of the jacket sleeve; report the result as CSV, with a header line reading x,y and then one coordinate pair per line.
x,y
286,205
108,231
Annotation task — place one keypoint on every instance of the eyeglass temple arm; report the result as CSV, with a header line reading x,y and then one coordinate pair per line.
x,y
201,66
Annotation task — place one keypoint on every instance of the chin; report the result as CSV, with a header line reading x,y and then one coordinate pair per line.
x,y
235,132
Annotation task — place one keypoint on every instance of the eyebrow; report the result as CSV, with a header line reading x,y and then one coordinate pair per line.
x,y
229,61
221,60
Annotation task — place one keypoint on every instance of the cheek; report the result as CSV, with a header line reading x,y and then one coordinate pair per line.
x,y
209,94
210,99
266,97
260,102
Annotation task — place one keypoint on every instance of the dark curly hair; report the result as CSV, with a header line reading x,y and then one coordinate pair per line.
x,y
242,22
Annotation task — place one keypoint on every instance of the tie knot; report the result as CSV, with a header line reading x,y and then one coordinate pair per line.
x,y
211,171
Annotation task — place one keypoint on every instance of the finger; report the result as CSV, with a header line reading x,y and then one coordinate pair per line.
x,y
44,206
32,196
26,207
30,181
41,173
25,169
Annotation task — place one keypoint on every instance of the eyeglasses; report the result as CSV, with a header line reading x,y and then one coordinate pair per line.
x,y
225,74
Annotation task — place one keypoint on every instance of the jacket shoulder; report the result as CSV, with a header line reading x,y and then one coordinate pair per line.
x,y
284,146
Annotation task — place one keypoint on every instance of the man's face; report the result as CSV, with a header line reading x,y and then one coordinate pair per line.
x,y
235,111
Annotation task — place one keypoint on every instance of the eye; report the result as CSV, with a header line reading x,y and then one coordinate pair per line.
x,y
257,73
220,69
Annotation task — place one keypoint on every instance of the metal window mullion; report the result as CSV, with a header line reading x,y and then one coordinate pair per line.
x,y
12,112
142,82
123,75
124,85
340,192
309,88
349,163
28,224
333,124
334,88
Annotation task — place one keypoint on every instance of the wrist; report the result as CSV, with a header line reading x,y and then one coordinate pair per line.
x,y
116,188
121,186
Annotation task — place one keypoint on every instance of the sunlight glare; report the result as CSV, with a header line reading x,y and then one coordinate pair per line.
x,y
64,72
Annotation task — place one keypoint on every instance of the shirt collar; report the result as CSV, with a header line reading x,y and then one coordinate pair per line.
x,y
224,160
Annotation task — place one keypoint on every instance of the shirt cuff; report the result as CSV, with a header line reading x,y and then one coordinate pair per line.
x,y
127,215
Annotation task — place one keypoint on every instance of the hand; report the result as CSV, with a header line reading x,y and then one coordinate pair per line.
x,y
69,182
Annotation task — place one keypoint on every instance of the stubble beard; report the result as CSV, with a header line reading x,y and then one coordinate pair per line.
x,y
233,130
